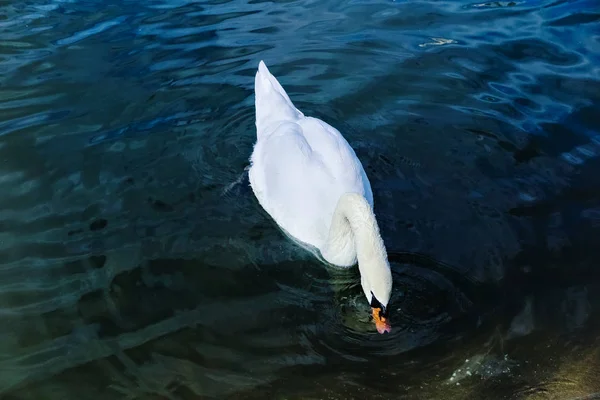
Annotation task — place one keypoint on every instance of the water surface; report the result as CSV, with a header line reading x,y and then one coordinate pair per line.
x,y
135,262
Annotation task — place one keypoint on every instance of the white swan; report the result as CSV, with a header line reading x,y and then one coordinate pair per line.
x,y
309,180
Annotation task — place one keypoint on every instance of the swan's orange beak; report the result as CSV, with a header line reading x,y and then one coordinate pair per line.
x,y
381,322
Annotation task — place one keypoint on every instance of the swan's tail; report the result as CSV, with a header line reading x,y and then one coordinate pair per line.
x,y
272,103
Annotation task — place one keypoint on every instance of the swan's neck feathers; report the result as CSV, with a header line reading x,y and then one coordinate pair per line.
x,y
354,235
273,105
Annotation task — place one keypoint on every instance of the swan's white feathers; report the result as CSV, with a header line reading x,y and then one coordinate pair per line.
x,y
300,166
272,103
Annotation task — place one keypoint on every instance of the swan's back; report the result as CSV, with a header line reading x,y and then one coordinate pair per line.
x,y
301,166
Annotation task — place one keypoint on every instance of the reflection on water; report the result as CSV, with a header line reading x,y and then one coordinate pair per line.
x,y
136,264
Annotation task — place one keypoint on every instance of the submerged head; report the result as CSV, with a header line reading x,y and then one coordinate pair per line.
x,y
377,286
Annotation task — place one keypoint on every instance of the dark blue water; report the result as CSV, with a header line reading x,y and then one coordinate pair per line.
x,y
135,262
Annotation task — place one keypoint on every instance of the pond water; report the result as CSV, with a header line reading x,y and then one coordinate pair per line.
x,y
135,262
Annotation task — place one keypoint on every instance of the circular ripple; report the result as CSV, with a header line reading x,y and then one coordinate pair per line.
x,y
425,303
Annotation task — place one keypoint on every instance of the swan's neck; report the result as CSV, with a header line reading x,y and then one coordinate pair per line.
x,y
354,235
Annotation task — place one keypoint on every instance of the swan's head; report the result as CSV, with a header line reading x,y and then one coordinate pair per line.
x,y
376,282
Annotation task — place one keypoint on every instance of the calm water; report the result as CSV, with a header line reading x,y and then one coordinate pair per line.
x,y
135,262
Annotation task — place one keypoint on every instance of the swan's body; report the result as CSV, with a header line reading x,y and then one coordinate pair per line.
x,y
309,180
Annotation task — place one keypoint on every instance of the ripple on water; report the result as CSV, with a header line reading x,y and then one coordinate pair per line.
x,y
424,304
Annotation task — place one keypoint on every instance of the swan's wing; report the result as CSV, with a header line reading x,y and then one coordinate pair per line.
x,y
338,157
290,184
298,174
